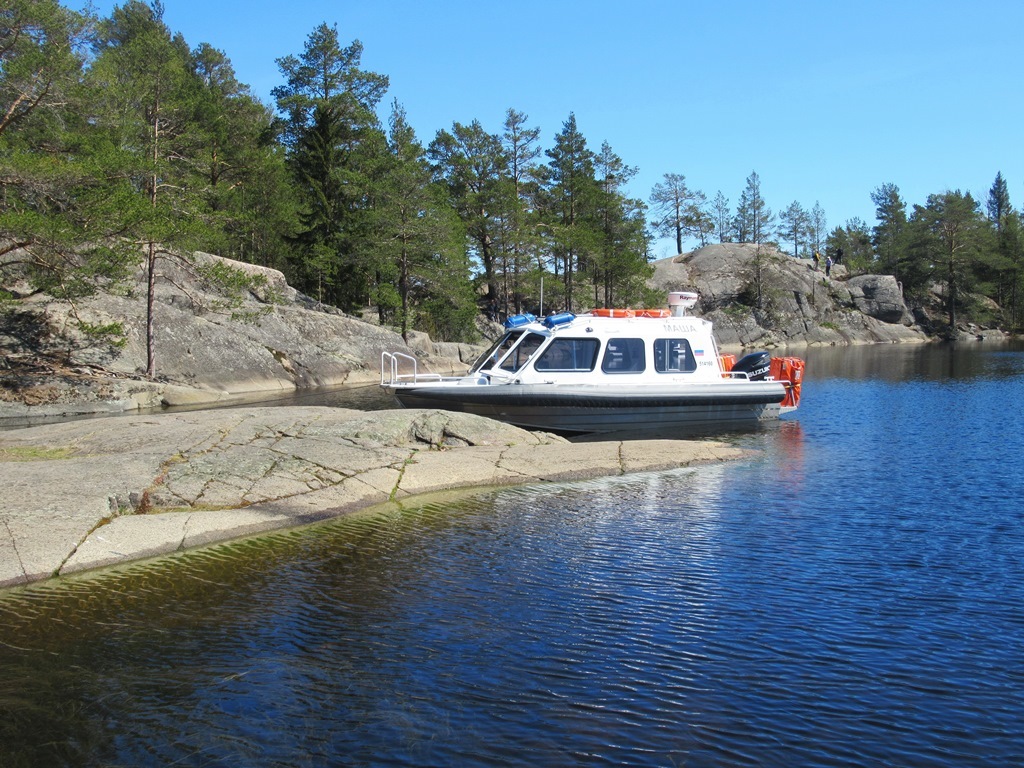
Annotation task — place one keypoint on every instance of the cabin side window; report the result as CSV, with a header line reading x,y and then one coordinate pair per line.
x,y
624,356
568,355
674,356
522,353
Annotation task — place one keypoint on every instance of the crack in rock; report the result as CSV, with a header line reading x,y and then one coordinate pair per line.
x,y
410,459
500,464
14,546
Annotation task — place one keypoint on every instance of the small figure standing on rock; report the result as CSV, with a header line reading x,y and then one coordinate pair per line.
x,y
817,260
828,266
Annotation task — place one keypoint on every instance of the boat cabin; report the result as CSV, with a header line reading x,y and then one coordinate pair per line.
x,y
653,349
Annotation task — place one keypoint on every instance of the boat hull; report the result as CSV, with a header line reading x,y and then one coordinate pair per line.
x,y
581,409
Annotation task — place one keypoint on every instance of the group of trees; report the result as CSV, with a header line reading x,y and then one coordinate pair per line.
x,y
950,242
120,143
686,214
973,252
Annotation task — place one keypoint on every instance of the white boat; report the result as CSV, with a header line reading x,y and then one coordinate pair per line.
x,y
609,370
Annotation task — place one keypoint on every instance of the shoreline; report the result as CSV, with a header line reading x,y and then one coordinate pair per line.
x,y
98,492
94,395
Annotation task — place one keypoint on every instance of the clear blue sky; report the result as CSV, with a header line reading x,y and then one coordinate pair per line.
x,y
826,99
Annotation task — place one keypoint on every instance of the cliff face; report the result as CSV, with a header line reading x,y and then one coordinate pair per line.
x,y
798,305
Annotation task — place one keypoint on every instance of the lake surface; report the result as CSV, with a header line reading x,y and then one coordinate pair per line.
x,y
851,596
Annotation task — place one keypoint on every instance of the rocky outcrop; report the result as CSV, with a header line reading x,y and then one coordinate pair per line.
x,y
798,304
275,341
99,492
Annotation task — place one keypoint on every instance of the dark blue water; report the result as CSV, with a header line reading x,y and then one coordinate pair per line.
x,y
852,596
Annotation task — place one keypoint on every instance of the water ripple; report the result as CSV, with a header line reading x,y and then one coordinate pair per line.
x,y
815,606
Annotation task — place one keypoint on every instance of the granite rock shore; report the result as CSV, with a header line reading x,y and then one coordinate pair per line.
x,y
279,342
100,492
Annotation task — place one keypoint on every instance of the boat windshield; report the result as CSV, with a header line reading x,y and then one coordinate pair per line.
x,y
522,352
496,351
510,353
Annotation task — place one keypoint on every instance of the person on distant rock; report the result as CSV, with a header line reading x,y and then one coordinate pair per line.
x,y
828,266
817,260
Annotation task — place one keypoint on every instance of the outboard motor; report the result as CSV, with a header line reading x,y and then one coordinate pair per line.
x,y
756,365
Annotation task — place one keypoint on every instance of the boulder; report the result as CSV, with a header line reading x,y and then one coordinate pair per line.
x,y
880,297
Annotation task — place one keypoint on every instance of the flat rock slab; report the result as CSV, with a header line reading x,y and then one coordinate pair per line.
x,y
99,492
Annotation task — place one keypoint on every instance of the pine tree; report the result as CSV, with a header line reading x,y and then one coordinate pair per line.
x,y
889,235
40,58
335,143
998,204
148,101
238,166
1011,246
326,73
701,221
675,206
1009,255
317,163
419,239
59,204
570,200
998,269
720,212
950,234
755,223
148,87
794,223
817,226
755,219
619,266
518,207
470,162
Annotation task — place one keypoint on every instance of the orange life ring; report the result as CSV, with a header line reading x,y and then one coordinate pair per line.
x,y
607,312
653,313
